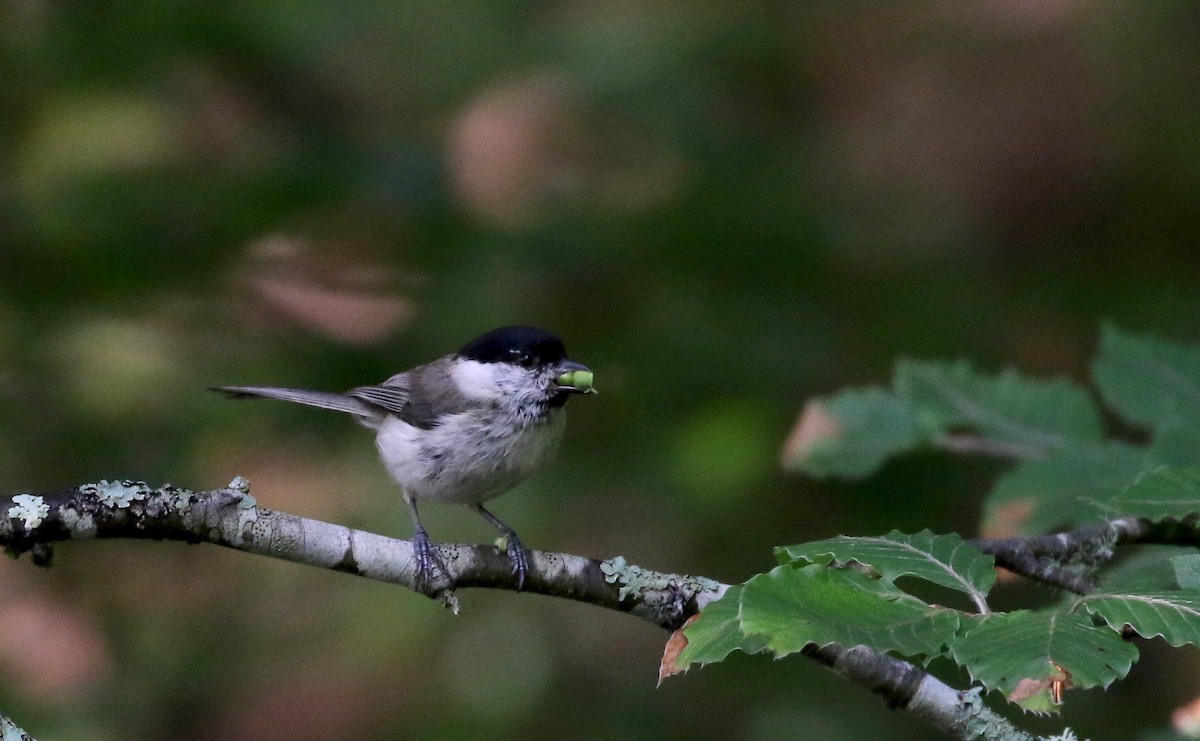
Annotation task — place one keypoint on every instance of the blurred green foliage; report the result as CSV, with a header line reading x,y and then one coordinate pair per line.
x,y
724,209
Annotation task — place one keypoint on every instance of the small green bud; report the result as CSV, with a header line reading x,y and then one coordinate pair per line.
x,y
580,380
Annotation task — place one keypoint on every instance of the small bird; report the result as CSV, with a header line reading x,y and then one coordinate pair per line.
x,y
465,428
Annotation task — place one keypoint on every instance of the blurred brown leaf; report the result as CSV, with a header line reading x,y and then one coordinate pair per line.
x,y
815,425
333,290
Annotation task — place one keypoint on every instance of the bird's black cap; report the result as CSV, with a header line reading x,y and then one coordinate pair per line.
x,y
515,344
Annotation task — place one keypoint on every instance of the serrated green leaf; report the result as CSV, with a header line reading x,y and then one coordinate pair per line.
x,y
942,559
1147,380
1069,487
1008,407
1166,492
1187,570
717,632
1002,650
793,606
852,433
1147,567
1173,615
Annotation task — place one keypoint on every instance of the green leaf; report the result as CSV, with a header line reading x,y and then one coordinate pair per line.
x,y
1147,567
851,434
1166,492
793,606
1148,380
717,632
1022,653
1187,570
1008,407
942,559
1176,443
1061,490
1173,615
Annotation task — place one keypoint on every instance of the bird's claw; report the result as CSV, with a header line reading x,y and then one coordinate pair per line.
x,y
519,557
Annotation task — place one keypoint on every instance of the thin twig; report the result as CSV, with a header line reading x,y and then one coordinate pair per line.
x,y
974,444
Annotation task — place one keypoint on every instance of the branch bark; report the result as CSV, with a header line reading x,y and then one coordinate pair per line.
x,y
960,715
230,517
10,731
1068,559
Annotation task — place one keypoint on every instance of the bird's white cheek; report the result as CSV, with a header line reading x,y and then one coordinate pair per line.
x,y
476,380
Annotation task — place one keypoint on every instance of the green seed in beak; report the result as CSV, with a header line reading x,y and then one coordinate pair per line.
x,y
577,380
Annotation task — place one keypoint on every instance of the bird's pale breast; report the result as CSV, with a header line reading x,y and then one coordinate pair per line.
x,y
437,464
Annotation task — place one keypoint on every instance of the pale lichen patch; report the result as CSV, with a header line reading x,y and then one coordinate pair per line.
x,y
80,525
635,580
118,494
30,509
240,483
247,517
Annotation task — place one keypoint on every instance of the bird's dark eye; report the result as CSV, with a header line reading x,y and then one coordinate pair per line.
x,y
523,358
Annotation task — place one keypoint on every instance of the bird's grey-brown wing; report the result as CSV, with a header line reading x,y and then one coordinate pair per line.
x,y
391,396
419,397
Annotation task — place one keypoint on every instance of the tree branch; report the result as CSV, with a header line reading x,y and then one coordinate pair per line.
x,y
230,517
10,731
960,715
1068,559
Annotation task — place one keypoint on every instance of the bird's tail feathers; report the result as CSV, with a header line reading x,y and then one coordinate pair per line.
x,y
365,413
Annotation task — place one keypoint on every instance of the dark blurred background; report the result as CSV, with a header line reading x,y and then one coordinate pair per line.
x,y
724,207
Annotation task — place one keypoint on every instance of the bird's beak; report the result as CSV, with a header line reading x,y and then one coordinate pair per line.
x,y
574,378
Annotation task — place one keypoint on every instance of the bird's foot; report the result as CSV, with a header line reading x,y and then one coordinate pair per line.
x,y
431,576
519,557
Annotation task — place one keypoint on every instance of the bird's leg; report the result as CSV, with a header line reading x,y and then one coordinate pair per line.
x,y
425,554
516,552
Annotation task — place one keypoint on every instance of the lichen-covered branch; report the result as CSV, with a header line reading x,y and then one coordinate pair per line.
x,y
230,517
960,715
10,731
1068,559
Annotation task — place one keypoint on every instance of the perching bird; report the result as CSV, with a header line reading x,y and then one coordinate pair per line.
x,y
466,427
